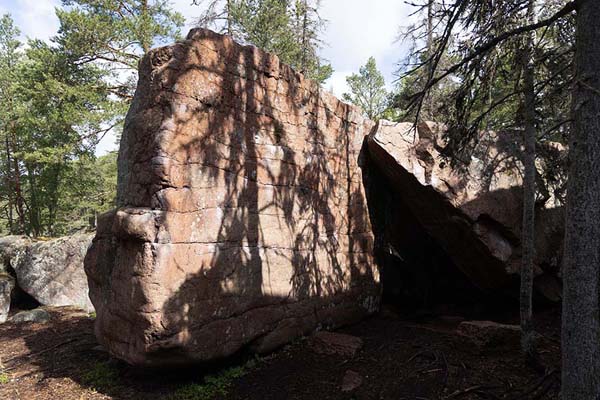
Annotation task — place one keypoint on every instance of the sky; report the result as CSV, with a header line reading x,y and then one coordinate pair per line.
x,y
355,31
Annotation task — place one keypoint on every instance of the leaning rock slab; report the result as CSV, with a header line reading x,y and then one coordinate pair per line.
x,y
474,213
52,271
241,217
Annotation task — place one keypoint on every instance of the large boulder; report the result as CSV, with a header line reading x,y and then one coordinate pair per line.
x,y
51,271
241,220
473,213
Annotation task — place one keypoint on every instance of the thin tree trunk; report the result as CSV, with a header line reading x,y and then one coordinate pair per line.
x,y
8,183
145,40
430,50
19,199
304,35
581,325
528,239
229,22
34,209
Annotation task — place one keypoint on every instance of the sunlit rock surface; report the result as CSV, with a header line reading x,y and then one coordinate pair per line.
x,y
241,220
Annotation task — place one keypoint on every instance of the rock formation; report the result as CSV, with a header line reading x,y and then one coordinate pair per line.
x,y
48,271
51,271
241,217
473,214
252,205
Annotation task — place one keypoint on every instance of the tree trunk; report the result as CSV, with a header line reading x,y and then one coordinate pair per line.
x,y
8,183
229,22
580,325
34,207
430,71
18,193
528,239
304,36
145,39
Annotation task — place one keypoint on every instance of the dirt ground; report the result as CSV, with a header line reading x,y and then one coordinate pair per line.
x,y
400,359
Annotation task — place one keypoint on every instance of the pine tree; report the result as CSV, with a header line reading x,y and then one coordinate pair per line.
x,y
288,28
501,68
11,186
367,90
581,273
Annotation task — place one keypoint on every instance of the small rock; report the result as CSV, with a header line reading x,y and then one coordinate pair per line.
x,y
489,333
351,381
330,343
38,315
7,284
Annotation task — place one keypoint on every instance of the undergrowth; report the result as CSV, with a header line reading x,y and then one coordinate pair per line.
x,y
213,385
101,376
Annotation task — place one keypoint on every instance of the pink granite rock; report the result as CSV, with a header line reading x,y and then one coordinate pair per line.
x,y
241,217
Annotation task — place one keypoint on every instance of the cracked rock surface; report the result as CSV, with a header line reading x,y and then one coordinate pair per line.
x,y
241,220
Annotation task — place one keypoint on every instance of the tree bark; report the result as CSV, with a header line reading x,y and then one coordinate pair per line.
x,y
528,239
581,326
8,183
430,51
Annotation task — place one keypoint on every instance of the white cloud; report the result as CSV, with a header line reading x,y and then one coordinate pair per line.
x,y
107,144
35,18
359,29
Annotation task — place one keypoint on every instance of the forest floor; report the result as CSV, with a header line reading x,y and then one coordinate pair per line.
x,y
400,359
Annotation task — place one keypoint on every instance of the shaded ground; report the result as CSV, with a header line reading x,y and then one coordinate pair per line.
x,y
399,360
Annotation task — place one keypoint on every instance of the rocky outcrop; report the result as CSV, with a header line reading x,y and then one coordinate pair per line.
x,y
242,217
473,213
51,271
46,272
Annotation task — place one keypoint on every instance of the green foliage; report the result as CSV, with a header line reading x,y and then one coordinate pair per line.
x,y
58,99
102,376
367,90
213,385
472,90
287,28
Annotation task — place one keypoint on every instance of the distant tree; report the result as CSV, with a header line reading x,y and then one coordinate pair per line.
x,y
55,107
64,108
13,208
116,34
288,28
87,190
308,27
367,90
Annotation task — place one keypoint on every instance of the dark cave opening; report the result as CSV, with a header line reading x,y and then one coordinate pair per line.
x,y
20,300
418,278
